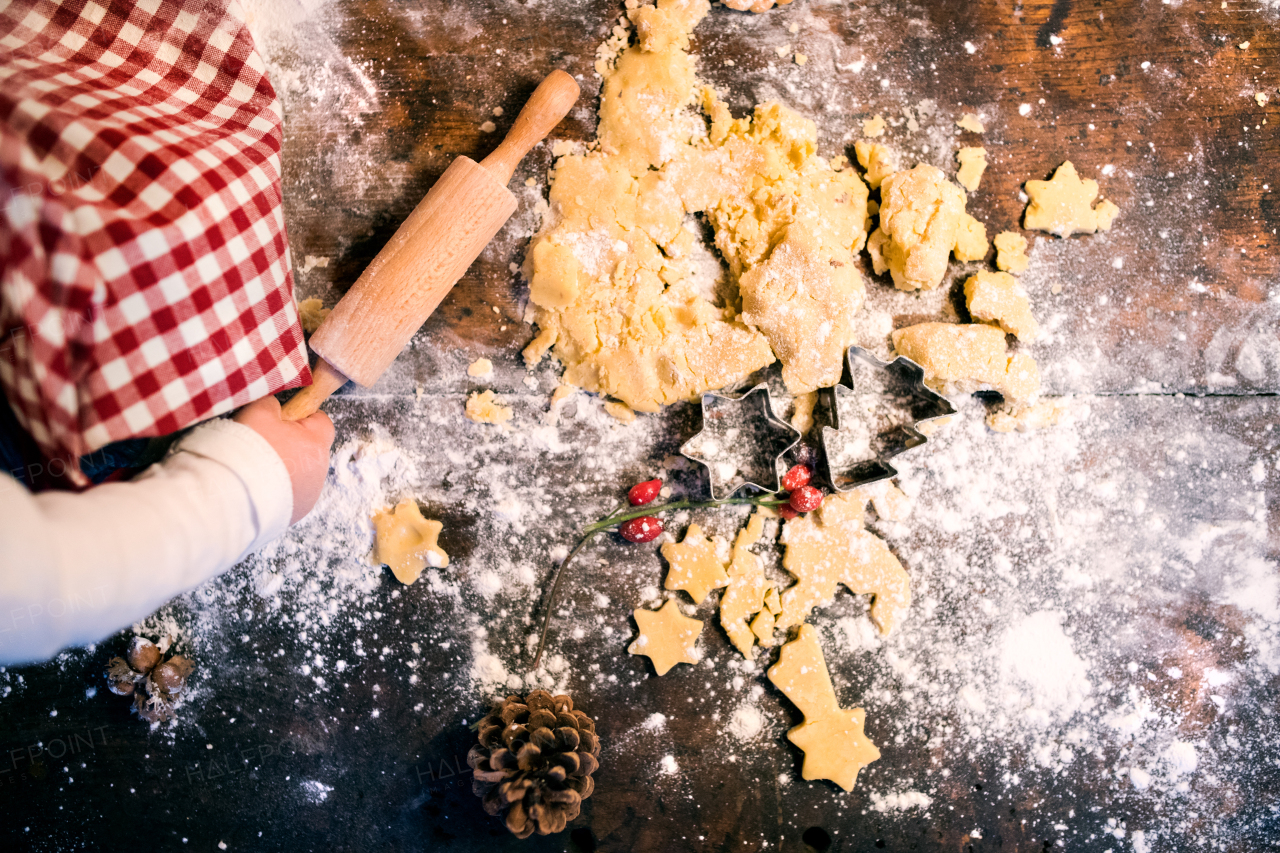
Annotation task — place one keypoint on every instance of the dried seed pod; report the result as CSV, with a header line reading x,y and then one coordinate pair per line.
x,y
143,655
121,678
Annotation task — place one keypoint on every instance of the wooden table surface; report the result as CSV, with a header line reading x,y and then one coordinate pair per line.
x,y
1167,327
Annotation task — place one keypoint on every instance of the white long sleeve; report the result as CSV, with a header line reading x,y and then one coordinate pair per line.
x,y
75,568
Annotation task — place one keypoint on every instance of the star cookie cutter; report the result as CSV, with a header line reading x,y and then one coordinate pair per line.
x,y
870,416
741,442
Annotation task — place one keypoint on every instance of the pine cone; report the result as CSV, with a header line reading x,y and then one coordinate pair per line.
x,y
534,762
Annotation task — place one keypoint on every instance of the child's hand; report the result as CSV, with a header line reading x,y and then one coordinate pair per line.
x,y
303,446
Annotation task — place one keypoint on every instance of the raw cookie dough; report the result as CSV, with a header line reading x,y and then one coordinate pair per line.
x,y
406,542
1011,252
756,6
922,221
973,162
311,313
620,412
1064,205
667,637
616,282
996,297
890,502
963,357
483,408
873,127
802,414
971,123
695,566
834,742
877,160
1040,415
747,588
830,547
480,367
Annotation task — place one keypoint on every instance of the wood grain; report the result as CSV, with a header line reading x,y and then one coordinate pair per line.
x,y
1192,307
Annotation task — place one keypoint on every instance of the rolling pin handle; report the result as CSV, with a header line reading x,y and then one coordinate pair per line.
x,y
325,379
550,103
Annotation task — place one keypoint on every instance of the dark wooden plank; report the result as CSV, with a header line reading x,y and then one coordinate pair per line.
x,y
353,171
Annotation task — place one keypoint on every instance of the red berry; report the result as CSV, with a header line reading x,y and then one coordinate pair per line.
x,y
806,499
798,476
643,493
644,529
786,512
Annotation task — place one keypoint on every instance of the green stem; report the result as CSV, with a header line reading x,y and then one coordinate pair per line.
x,y
618,517
551,597
642,511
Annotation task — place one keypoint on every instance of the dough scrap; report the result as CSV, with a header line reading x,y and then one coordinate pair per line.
x,y
756,6
802,414
1063,205
877,160
747,589
922,221
890,502
833,739
831,547
667,637
406,542
964,357
311,313
483,408
971,123
1011,252
1040,415
480,367
973,162
617,293
873,127
997,297
694,564
620,412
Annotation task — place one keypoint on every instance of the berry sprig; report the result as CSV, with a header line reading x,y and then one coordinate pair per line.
x,y
643,525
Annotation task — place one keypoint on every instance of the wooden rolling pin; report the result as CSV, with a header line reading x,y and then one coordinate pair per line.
x,y
426,256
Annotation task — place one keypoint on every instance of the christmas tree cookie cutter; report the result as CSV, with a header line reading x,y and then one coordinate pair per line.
x,y
871,416
861,423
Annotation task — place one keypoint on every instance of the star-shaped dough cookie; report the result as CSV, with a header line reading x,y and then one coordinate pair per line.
x,y
406,542
834,747
695,568
1064,204
834,744
667,636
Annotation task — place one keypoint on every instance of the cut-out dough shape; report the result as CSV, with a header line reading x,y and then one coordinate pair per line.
x,y
830,547
1063,205
695,568
832,738
667,637
406,542
747,589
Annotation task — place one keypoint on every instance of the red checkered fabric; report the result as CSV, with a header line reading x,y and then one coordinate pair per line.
x,y
146,283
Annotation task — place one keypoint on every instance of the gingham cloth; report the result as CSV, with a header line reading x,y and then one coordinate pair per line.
x,y
146,283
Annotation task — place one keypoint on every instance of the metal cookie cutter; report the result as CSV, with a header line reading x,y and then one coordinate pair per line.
x,y
741,442
871,416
